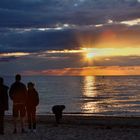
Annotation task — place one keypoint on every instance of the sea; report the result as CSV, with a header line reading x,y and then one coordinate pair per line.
x,y
86,95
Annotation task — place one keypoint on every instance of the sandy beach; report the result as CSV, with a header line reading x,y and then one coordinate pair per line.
x,y
78,128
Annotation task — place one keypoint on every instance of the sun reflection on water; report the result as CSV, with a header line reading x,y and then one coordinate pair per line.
x,y
89,95
89,86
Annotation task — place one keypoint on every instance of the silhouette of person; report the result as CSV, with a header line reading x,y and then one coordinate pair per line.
x,y
3,103
18,94
58,110
32,102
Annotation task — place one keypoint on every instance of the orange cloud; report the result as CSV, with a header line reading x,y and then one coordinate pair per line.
x,y
86,71
117,37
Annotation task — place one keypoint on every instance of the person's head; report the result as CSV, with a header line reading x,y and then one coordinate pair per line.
x,y
58,109
18,77
1,81
30,85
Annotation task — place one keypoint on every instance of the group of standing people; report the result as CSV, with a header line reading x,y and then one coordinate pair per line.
x,y
25,100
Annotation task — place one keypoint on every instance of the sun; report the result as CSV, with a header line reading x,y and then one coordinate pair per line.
x,y
90,55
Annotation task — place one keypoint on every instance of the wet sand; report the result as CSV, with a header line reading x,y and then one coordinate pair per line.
x,y
79,128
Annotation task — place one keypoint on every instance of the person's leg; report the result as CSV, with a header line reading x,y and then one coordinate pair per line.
x,y
15,117
29,119
1,122
22,117
57,118
34,118
15,125
22,124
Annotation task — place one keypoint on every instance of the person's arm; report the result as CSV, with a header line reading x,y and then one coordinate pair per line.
x,y
37,98
25,95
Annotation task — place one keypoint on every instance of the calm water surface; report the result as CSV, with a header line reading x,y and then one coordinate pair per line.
x,y
108,95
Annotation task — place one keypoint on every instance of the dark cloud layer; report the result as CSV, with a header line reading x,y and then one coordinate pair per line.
x,y
37,41
36,14
32,40
22,13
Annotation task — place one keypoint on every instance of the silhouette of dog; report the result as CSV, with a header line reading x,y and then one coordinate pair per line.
x,y
58,110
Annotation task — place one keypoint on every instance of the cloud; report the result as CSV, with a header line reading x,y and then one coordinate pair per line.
x,y
57,61
7,57
37,40
23,13
131,22
36,26
16,54
118,61
65,36
88,71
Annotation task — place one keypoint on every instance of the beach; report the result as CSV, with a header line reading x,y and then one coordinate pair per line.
x,y
78,128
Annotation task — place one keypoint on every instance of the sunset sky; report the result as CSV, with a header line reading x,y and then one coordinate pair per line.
x,y
70,37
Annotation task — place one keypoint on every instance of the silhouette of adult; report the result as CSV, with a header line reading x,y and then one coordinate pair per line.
x,y
18,94
3,103
32,102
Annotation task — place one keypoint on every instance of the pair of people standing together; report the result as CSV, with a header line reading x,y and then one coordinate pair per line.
x,y
24,101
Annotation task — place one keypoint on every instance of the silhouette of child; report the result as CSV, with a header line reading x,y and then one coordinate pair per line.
x,y
32,102
58,110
